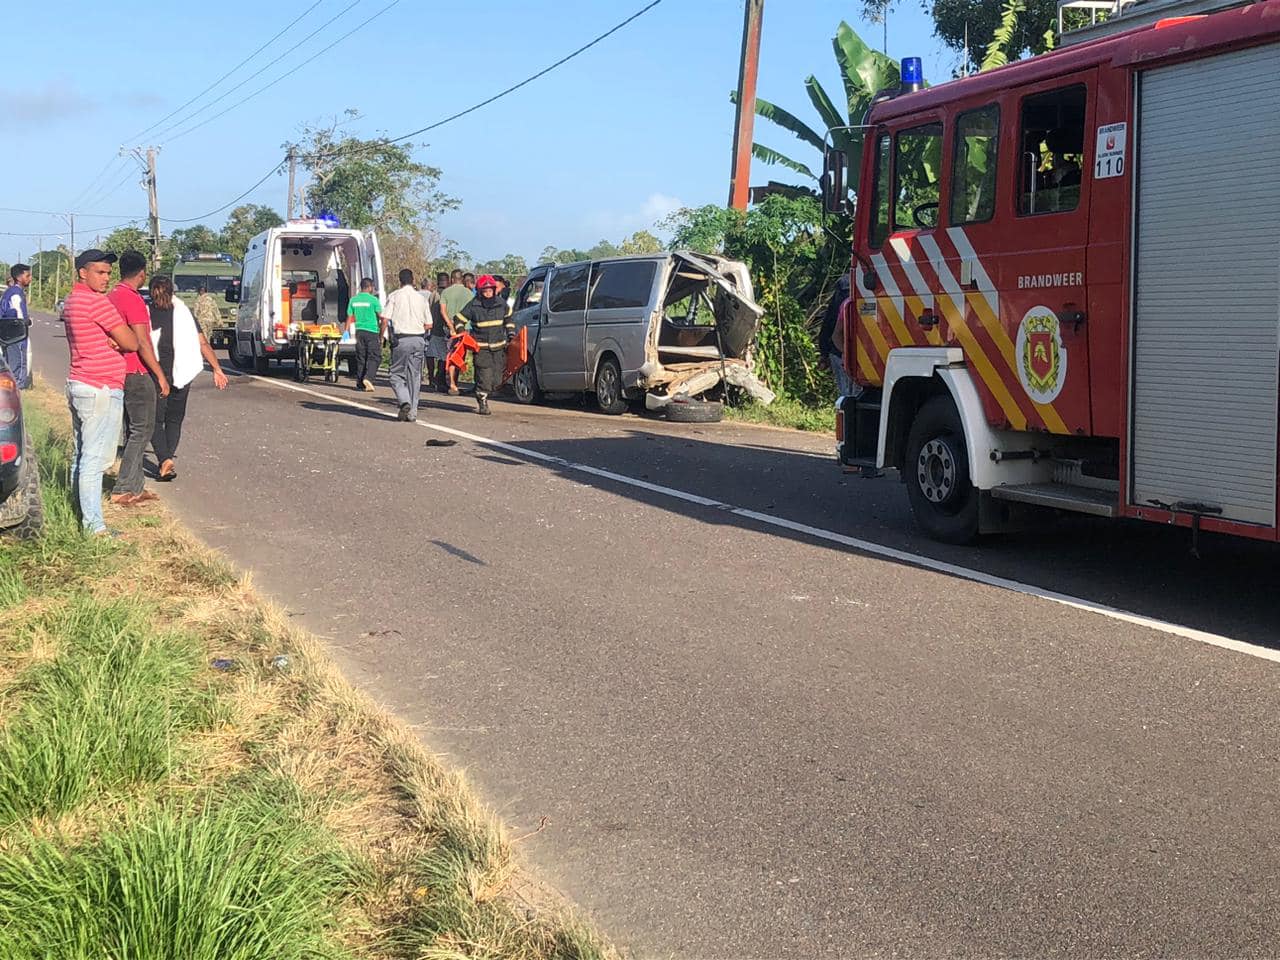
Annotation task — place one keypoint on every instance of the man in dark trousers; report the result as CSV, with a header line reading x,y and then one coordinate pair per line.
x,y
491,326
13,308
364,317
143,380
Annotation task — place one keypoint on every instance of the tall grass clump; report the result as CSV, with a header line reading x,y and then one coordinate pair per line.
x,y
237,880
107,711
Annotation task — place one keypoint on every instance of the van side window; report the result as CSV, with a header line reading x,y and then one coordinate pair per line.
x,y
531,292
880,194
623,283
973,168
569,288
917,174
1051,151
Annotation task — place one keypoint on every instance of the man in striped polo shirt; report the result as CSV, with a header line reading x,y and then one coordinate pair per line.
x,y
98,337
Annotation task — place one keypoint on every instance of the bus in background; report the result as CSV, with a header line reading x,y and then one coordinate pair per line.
x,y
218,272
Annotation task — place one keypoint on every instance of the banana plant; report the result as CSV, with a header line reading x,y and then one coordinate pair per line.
x,y
864,72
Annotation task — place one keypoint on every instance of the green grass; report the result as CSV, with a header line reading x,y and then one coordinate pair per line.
x,y
152,807
243,879
786,412
108,711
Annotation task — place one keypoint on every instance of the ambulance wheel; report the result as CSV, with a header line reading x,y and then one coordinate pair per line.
x,y
524,384
943,498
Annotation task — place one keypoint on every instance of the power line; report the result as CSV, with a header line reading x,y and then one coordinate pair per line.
x,y
60,213
206,216
256,73
141,134
498,96
439,123
101,174
271,83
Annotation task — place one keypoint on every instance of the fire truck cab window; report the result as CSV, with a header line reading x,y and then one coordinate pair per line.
x,y
973,170
1052,151
917,177
880,194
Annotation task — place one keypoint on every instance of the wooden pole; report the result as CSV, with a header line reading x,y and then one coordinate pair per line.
x,y
743,128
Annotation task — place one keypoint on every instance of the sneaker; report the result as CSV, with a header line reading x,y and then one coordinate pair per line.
x,y
369,387
403,414
482,407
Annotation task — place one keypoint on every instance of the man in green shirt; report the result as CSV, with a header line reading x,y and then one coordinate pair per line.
x,y
452,299
364,315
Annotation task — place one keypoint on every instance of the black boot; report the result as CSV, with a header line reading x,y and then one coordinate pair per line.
x,y
404,412
482,405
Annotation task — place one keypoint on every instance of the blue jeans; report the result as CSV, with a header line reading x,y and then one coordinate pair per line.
x,y
96,414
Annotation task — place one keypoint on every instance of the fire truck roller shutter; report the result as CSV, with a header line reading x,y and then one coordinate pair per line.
x,y
1206,324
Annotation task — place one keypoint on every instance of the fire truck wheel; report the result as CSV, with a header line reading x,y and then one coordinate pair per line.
x,y
943,498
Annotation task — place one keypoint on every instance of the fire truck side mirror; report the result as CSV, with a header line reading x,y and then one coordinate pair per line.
x,y
834,163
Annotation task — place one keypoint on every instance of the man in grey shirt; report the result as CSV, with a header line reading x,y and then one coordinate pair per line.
x,y
409,318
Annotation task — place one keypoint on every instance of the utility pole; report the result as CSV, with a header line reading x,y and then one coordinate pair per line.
x,y
293,166
70,218
148,165
744,125
153,208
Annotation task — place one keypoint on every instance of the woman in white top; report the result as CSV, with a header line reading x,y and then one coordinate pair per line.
x,y
182,351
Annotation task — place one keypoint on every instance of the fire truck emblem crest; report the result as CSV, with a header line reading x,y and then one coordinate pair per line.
x,y
1042,359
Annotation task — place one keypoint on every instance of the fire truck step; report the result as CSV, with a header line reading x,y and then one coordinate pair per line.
x,y
1062,496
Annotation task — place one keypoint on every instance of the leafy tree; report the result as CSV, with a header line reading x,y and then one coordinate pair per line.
x,y
1025,26
511,266
642,241
244,223
197,239
127,238
864,72
369,183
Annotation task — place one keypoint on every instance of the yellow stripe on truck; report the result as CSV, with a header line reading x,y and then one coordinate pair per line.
x,y
1000,337
983,367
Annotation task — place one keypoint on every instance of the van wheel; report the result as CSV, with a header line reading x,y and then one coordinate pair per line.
x,y
524,384
609,396
943,498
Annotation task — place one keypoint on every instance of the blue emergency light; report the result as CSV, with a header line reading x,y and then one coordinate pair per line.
x,y
912,74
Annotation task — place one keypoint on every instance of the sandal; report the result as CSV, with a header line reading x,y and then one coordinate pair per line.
x,y
167,475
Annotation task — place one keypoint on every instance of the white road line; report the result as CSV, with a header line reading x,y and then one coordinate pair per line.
x,y
829,536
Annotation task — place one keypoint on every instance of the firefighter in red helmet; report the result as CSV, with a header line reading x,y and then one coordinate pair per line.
x,y
490,323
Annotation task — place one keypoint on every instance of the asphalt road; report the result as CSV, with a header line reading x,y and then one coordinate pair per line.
x,y
748,742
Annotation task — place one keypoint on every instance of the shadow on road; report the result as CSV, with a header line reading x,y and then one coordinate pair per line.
x,y
1147,569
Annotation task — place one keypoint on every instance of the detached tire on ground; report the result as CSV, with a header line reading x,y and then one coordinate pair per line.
x,y
943,498
695,411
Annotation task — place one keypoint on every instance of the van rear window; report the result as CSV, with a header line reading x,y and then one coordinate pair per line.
x,y
624,283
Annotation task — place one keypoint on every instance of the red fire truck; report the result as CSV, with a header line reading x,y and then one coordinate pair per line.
x,y
1065,285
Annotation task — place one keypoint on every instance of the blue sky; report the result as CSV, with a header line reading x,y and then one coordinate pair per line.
x,y
605,145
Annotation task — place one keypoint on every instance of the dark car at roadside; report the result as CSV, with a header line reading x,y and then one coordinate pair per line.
x,y
21,508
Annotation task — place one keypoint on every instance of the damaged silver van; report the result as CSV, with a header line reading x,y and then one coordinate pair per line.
x,y
665,327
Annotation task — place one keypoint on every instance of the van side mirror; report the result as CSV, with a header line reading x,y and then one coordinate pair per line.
x,y
834,164
232,293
